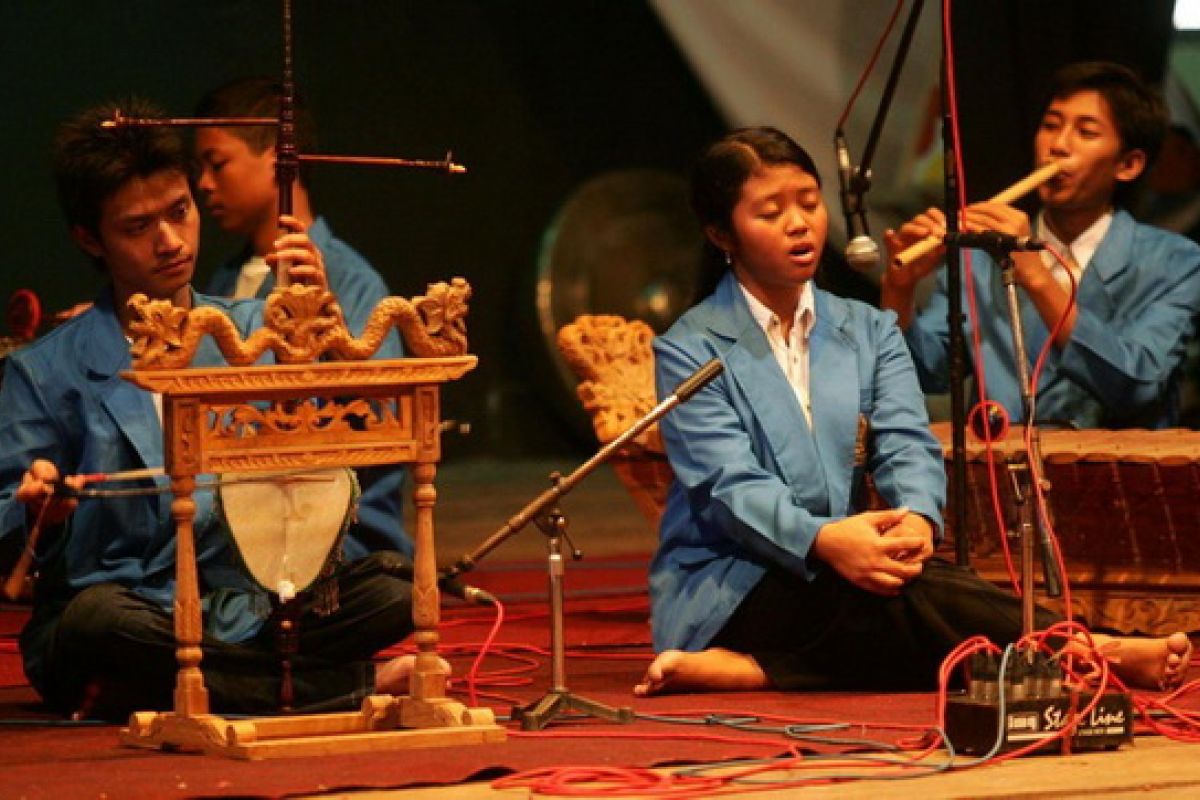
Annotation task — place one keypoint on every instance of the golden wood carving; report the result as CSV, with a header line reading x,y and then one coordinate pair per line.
x,y
614,361
301,324
613,358
306,414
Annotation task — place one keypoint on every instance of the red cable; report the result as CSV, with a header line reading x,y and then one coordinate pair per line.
x,y
1042,505
969,283
473,674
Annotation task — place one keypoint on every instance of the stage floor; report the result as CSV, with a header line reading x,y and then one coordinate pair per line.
x,y
477,496
1152,767
607,635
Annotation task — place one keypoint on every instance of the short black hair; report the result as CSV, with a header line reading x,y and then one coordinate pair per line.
x,y
260,97
92,161
1138,109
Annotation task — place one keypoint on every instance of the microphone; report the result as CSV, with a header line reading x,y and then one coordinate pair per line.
x,y
995,241
472,595
698,379
469,594
862,253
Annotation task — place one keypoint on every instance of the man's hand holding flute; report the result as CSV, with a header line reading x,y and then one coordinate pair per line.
x,y
917,247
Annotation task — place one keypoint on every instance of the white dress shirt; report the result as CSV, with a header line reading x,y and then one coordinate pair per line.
x,y
792,353
1079,251
253,273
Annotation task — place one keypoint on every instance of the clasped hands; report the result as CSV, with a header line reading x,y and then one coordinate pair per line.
x,y
878,551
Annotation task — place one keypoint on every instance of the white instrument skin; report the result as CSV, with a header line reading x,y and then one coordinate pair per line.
x,y
289,530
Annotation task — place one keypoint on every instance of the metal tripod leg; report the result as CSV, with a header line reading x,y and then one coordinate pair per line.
x,y
559,699
539,714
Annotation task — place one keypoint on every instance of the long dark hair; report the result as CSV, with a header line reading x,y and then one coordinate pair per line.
x,y
716,184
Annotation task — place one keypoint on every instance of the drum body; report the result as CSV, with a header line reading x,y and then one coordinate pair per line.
x,y
1125,506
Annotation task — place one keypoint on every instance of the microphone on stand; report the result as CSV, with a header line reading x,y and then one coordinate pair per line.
x,y
862,253
465,591
448,583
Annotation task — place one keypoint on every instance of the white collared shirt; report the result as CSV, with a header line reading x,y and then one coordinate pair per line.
x,y
792,354
155,397
251,277
1081,250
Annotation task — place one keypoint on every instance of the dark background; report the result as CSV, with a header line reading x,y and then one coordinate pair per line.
x,y
1006,51
534,96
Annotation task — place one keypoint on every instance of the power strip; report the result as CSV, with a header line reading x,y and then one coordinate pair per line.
x,y
1036,708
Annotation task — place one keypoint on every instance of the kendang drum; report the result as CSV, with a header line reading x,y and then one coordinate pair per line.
x,y
288,528
1126,509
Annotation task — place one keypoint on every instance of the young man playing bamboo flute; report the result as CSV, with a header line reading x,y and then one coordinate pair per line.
x,y
1116,358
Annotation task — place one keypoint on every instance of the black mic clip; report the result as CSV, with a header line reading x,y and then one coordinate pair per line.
x,y
860,184
853,182
994,242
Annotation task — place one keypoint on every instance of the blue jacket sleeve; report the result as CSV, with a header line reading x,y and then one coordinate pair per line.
x,y
27,432
928,339
1126,347
722,469
905,459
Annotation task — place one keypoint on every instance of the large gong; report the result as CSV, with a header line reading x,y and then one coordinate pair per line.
x,y
623,243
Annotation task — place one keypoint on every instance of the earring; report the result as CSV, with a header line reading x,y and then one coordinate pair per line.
x,y
728,258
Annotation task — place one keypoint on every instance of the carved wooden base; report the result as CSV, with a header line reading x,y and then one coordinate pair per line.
x,y
376,727
1119,602
1132,612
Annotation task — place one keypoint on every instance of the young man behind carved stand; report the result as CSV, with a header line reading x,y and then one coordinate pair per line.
x,y
237,183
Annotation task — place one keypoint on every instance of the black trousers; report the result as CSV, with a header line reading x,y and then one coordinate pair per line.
x,y
830,635
116,646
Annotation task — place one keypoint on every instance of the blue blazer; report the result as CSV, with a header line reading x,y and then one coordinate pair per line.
x,y
63,399
753,482
1138,301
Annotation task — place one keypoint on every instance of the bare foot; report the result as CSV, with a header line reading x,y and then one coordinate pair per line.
x,y
1146,663
391,677
715,669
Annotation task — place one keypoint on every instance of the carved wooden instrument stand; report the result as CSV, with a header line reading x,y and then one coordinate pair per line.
x,y
304,413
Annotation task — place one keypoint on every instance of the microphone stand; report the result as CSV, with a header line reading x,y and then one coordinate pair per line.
x,y
860,182
854,181
860,177
956,320
1025,476
545,513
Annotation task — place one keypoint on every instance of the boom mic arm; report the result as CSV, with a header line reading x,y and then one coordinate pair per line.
x,y
532,510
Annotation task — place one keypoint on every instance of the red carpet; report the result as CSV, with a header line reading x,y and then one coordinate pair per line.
x,y
607,635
